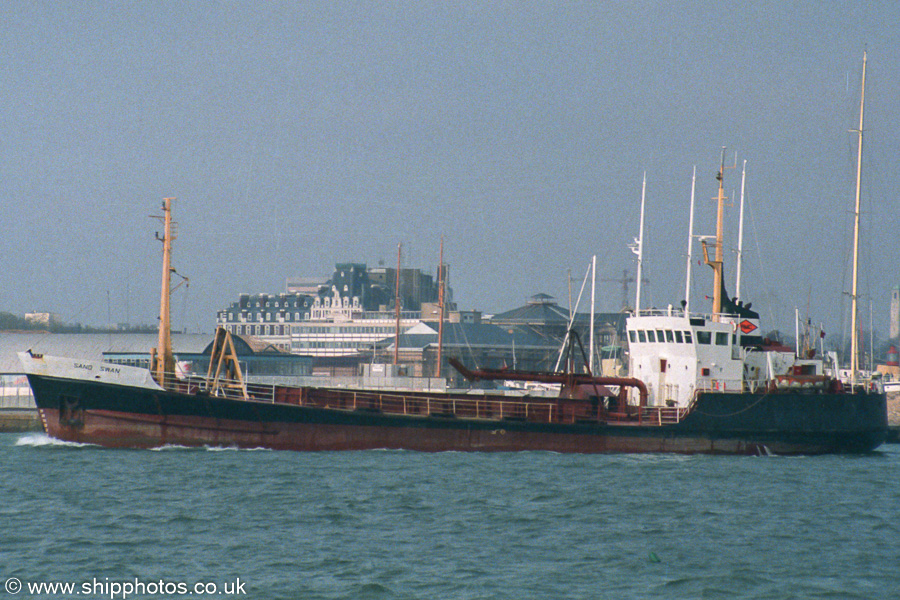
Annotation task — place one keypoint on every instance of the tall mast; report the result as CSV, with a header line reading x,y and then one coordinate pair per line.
x,y
690,256
639,250
720,234
854,296
165,361
720,237
397,310
593,294
441,284
740,252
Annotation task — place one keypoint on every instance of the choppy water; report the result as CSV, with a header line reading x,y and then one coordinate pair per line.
x,y
406,525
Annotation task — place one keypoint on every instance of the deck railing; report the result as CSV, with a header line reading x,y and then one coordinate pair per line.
x,y
481,406
663,415
720,385
260,392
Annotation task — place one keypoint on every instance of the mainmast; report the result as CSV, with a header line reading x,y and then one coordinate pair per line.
x,y
720,235
720,240
854,296
165,360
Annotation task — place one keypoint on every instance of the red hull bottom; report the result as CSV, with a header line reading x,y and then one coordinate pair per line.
x,y
125,430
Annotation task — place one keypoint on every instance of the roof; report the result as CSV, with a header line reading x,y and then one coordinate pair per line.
x,y
247,345
616,319
541,309
89,346
462,335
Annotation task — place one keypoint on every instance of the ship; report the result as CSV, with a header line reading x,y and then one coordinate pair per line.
x,y
697,383
121,406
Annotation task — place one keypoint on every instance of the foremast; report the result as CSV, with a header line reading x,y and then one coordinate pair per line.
x,y
164,359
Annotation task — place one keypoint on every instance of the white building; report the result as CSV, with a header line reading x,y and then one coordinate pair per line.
x,y
895,313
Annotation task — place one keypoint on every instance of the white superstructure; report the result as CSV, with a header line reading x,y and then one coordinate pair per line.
x,y
676,354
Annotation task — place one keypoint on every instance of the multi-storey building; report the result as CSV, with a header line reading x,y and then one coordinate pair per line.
x,y
416,288
266,316
339,326
350,315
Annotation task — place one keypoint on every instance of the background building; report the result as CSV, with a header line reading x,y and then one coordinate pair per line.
x,y
342,321
350,320
543,316
895,313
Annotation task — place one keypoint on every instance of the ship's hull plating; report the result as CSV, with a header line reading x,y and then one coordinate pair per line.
x,y
784,423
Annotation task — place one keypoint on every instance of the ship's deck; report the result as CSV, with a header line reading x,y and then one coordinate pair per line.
x,y
466,405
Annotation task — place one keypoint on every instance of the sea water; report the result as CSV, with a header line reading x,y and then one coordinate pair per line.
x,y
408,525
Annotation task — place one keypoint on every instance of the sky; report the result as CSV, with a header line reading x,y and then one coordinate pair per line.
x,y
297,135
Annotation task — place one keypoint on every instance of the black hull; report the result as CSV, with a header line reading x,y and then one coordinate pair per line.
x,y
783,423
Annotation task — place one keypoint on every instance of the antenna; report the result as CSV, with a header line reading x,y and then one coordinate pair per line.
x,y
740,252
638,248
690,256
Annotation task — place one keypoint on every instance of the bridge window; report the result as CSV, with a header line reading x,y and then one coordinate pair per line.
x,y
704,337
651,336
678,338
721,338
642,336
632,337
687,338
660,336
670,337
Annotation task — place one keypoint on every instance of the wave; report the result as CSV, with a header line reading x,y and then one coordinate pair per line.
x,y
172,447
39,440
235,449
167,447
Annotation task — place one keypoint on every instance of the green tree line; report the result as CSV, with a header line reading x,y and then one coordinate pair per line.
x,y
11,322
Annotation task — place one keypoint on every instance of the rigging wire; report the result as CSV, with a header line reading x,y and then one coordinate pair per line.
x,y
763,275
572,318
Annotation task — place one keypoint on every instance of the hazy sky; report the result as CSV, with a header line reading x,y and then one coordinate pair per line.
x,y
297,135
